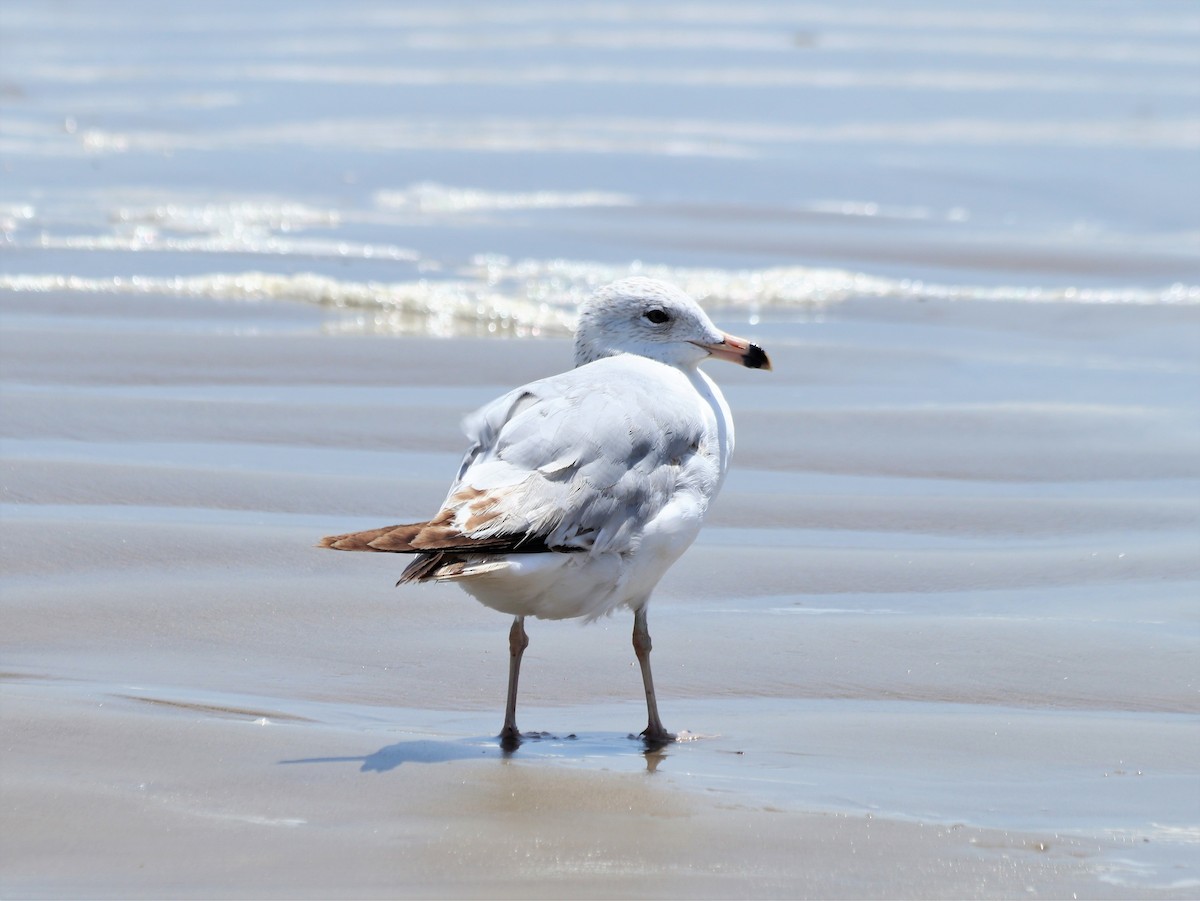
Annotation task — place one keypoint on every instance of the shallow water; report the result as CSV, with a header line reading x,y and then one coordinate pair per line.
x,y
455,171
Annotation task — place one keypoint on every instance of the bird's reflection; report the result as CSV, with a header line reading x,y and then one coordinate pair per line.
x,y
654,756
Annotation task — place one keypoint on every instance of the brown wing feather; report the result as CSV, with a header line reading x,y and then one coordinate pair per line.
x,y
435,536
359,541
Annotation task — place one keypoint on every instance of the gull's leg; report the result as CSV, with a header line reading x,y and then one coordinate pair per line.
x,y
518,641
641,646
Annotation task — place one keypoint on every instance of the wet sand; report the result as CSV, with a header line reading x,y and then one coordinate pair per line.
x,y
938,638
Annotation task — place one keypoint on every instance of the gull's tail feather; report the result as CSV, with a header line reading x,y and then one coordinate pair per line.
x,y
439,566
425,567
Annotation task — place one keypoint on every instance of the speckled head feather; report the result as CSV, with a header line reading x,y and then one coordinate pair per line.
x,y
644,317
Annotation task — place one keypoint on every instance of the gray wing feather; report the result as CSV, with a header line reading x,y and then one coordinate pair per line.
x,y
580,461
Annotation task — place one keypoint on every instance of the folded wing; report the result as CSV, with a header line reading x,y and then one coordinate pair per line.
x,y
576,463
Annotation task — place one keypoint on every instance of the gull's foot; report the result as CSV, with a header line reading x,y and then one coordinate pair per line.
x,y
657,738
511,739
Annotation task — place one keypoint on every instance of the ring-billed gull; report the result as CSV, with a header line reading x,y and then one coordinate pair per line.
x,y
580,490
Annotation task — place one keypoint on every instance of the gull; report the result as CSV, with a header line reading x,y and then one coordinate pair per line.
x,y
580,490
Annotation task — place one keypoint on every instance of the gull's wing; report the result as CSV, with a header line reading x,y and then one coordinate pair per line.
x,y
580,461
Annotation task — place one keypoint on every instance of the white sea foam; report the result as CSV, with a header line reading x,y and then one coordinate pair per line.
x,y
229,217
430,197
790,286
495,295
420,307
147,238
139,220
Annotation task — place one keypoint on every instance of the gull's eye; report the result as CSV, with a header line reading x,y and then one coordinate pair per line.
x,y
658,317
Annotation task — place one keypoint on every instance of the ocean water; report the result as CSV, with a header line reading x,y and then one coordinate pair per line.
x,y
467,168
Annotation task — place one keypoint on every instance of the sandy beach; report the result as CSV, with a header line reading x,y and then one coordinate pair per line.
x,y
930,646
938,637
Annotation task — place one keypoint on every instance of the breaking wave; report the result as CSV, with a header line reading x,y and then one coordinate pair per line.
x,y
528,298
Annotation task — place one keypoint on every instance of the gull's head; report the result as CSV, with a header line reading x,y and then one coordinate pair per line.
x,y
653,319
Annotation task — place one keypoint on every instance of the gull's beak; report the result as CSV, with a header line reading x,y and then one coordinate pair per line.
x,y
738,350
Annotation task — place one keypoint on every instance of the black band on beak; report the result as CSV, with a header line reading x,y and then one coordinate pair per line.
x,y
756,358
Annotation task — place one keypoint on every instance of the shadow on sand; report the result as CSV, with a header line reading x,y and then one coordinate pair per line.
x,y
532,745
